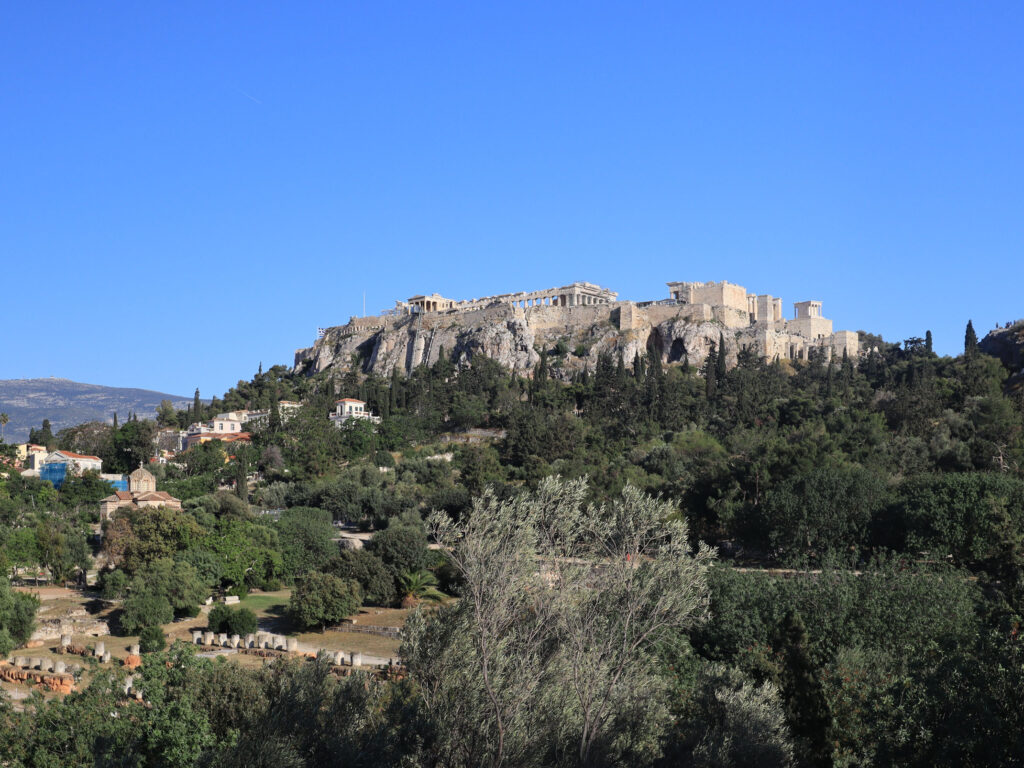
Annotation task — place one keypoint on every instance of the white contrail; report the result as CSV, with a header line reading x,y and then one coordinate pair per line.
x,y
249,96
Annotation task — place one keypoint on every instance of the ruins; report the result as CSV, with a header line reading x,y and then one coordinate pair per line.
x,y
576,294
585,319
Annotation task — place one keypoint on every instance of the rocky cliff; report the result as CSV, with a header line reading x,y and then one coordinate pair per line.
x,y
515,337
1008,345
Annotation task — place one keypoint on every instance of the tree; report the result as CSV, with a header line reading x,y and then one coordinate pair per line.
x,y
114,585
375,580
22,549
241,476
4,421
720,358
711,374
417,587
577,636
43,436
274,422
402,546
970,341
806,707
177,580
927,342
17,617
321,599
145,609
732,721
166,416
132,446
196,406
242,622
239,621
306,540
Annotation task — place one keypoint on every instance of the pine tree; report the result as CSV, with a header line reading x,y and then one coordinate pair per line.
x,y
970,340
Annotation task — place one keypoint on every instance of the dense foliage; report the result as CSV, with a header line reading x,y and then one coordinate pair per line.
x,y
864,610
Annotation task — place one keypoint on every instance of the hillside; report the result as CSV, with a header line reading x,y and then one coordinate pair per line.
x,y
67,403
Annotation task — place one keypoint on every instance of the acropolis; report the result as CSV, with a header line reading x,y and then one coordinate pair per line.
x,y
515,328
725,302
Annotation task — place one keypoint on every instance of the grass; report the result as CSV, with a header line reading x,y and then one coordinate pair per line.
x,y
375,645
381,617
265,604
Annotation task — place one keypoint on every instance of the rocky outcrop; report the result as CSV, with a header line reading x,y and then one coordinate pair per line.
x,y
1007,344
515,337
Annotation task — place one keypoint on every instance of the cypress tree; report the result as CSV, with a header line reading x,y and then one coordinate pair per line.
x,y
807,710
540,374
196,406
720,360
275,416
393,390
711,374
639,369
115,421
970,340
928,341
241,480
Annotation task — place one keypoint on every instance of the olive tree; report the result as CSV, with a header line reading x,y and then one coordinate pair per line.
x,y
562,606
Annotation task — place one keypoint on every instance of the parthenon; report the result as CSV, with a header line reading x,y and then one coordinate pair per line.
x,y
576,294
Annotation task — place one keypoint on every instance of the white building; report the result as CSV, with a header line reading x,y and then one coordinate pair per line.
x,y
77,462
350,408
261,418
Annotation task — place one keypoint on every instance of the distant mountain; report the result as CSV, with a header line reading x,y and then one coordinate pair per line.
x,y
67,403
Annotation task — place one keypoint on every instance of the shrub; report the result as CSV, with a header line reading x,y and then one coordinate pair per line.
x,y
242,622
218,619
151,639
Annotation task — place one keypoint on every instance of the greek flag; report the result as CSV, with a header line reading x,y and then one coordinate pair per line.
x,y
320,332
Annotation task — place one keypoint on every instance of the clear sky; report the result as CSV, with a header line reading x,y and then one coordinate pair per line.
x,y
188,189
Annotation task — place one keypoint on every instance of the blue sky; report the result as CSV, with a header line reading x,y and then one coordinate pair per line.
x,y
189,189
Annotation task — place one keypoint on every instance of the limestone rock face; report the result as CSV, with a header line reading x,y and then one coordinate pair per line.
x,y
515,337
1007,344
